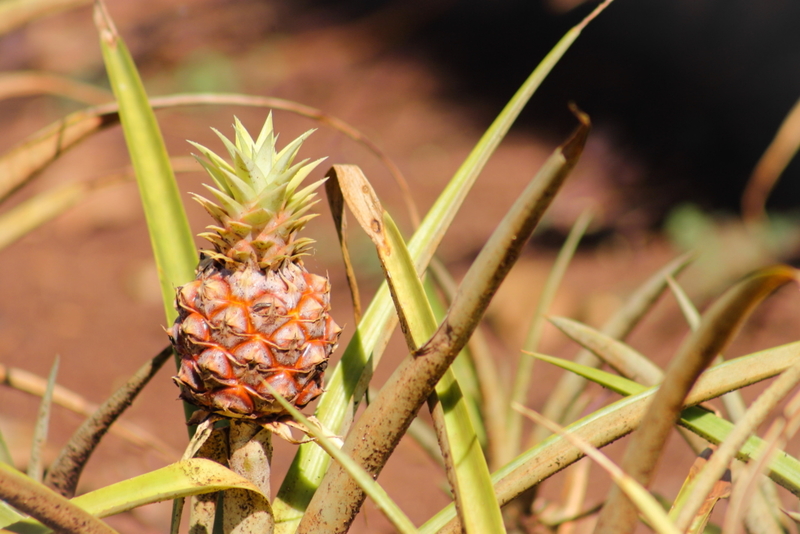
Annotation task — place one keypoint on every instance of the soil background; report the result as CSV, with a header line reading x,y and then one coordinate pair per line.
x,y
422,80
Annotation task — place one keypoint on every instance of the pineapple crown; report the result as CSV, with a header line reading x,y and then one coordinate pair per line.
x,y
259,207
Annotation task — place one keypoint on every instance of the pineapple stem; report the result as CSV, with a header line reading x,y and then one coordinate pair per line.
x,y
250,456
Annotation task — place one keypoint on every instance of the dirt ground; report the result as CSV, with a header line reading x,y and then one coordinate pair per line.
x,y
84,287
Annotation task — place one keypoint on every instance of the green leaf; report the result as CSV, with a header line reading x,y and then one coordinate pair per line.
x,y
170,236
565,396
718,327
379,429
620,356
8,515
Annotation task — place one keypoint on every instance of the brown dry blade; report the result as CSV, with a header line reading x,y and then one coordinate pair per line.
x,y
26,160
362,201
772,163
720,490
377,432
333,190
25,83
720,324
66,469
366,208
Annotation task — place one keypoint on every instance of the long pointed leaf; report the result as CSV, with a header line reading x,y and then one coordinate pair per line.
x,y
715,467
20,164
173,244
181,479
647,504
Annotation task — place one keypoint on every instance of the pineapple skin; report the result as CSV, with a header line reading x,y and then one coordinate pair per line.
x,y
253,315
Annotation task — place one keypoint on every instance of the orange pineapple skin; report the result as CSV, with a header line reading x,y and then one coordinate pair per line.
x,y
242,328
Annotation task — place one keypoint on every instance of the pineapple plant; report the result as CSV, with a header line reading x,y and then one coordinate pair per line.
x,y
254,316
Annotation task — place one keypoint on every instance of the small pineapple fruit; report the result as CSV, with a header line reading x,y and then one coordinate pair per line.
x,y
254,315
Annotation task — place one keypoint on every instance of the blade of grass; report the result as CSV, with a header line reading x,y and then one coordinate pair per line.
x,y
464,460
309,465
716,331
35,468
524,371
720,490
647,504
171,238
379,429
570,386
620,418
65,471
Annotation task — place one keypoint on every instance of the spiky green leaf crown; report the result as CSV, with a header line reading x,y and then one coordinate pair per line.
x,y
259,209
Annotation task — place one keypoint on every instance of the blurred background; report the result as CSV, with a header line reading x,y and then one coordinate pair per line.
x,y
685,97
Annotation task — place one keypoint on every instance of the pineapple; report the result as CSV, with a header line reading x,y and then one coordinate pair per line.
x,y
254,315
